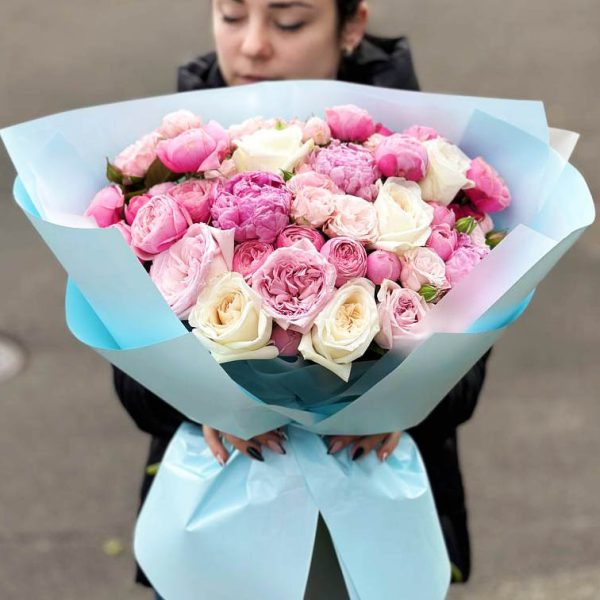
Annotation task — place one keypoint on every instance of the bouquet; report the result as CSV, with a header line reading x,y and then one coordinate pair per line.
x,y
424,310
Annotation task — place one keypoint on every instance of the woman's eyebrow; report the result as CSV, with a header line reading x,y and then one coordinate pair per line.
x,y
281,5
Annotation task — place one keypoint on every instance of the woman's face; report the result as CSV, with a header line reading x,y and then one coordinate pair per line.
x,y
276,39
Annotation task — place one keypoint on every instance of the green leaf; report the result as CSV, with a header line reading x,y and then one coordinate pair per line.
x,y
152,469
466,225
280,125
287,175
158,173
113,174
428,292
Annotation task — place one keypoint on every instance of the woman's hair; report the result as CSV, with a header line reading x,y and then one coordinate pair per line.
x,y
346,9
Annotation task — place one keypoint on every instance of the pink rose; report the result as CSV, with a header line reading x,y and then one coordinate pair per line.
x,y
421,266
352,168
317,130
347,256
443,240
256,204
177,122
422,133
353,217
490,193
196,196
350,123
195,150
400,309
293,233
312,206
135,160
287,341
134,204
442,214
311,179
124,230
181,272
295,284
381,129
463,260
402,156
107,206
158,224
249,126
381,265
249,256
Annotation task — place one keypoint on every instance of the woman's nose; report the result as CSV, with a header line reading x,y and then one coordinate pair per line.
x,y
256,43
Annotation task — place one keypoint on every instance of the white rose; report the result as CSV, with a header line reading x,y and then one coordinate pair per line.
x,y
228,320
272,150
344,329
447,172
404,218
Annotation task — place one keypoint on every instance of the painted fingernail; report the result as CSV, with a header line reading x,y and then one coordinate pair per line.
x,y
254,453
221,460
384,456
335,447
358,453
277,448
282,433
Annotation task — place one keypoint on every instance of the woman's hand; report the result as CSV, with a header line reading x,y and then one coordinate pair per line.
x,y
362,445
272,439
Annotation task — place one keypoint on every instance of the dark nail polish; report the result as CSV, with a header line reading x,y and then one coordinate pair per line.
x,y
254,453
282,448
358,453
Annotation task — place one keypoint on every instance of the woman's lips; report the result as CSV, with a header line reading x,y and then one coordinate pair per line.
x,y
254,78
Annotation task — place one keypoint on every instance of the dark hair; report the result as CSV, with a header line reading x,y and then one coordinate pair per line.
x,y
346,9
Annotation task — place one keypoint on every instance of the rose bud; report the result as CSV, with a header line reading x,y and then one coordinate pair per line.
x,y
381,265
287,341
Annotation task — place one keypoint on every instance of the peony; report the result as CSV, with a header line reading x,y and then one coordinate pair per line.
x,y
256,205
229,321
490,193
161,188
134,204
422,133
381,265
136,159
350,123
195,150
464,259
248,127
182,271
422,266
447,174
295,283
312,206
106,207
306,178
442,214
347,256
443,240
249,256
400,309
196,196
158,224
272,150
317,130
402,156
404,219
353,217
177,122
344,329
291,234
352,168
286,340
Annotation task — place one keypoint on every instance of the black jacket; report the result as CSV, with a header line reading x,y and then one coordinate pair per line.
x,y
384,63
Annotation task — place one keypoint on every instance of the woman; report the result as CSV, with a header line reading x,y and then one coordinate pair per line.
x,y
260,40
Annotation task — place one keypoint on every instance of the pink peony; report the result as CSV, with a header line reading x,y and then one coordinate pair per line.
x,y
195,150
292,233
249,256
135,160
350,123
181,272
402,156
347,256
422,133
312,206
249,126
161,188
352,168
196,196
287,341
464,259
381,265
400,309
134,204
306,178
295,284
490,193
177,122
256,204
158,224
443,240
106,207
353,217
381,129
317,130
422,266
442,214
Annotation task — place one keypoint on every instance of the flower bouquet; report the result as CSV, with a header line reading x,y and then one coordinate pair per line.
x,y
350,254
